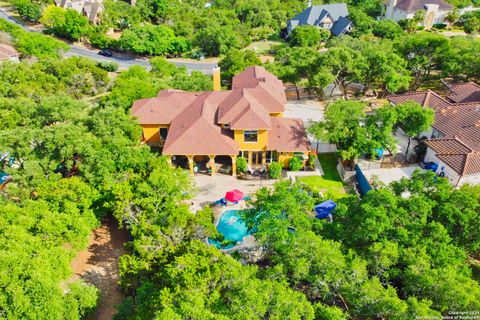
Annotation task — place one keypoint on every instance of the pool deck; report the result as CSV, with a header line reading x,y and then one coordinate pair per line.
x,y
210,189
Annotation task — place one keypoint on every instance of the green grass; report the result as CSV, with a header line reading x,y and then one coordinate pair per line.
x,y
330,184
263,47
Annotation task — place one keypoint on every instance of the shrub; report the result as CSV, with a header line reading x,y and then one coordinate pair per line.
x,y
311,161
439,26
28,10
295,164
242,165
275,170
108,66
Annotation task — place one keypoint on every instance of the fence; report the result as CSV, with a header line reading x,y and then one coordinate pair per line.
x,y
363,184
304,93
323,147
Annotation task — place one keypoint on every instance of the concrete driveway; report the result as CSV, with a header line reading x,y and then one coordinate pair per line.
x,y
305,109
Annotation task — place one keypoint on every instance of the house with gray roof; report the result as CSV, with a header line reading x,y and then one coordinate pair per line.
x,y
332,17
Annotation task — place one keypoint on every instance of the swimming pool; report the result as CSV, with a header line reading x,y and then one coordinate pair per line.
x,y
232,227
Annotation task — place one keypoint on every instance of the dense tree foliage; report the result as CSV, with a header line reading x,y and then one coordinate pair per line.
x,y
354,132
32,44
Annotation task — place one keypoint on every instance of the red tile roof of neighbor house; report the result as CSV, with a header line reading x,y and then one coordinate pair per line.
x,y
415,5
7,51
195,118
464,92
460,124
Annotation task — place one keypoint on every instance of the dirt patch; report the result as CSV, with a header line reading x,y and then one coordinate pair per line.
x,y
98,265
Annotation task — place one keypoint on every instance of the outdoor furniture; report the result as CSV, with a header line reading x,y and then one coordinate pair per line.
x,y
324,210
234,195
221,202
226,170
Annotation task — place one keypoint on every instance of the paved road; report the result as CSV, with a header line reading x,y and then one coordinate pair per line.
x,y
123,62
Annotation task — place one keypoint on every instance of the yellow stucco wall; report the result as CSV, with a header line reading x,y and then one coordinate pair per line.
x,y
151,132
261,143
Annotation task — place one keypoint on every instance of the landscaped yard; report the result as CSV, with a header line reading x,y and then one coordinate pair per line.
x,y
330,183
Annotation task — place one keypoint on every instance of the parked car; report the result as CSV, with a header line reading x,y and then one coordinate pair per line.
x,y
105,53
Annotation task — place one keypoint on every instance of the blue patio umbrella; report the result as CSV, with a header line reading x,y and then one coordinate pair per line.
x,y
324,209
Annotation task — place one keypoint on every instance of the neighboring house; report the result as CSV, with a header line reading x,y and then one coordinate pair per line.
x,y
328,16
8,53
221,125
454,139
435,10
90,9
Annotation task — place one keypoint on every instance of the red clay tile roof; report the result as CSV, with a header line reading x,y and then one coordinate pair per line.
x,y
287,135
254,77
415,5
464,92
424,98
448,146
7,51
460,124
242,111
163,108
193,131
194,118
457,155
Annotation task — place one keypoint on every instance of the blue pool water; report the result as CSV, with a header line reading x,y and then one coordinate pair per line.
x,y
232,227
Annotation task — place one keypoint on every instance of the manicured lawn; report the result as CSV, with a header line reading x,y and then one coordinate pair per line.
x,y
330,183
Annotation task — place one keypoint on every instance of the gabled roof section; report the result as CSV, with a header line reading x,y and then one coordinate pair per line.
x,y
415,5
243,111
287,135
457,155
164,108
341,26
464,92
424,98
315,14
193,131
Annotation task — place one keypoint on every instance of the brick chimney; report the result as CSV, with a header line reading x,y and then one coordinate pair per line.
x,y
217,86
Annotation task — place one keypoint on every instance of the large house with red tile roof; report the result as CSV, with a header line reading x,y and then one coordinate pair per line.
x,y
454,139
220,125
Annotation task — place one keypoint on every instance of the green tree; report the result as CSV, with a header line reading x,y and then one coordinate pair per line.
x,y
216,40
422,53
471,22
413,119
28,10
387,29
305,36
342,127
235,61
294,65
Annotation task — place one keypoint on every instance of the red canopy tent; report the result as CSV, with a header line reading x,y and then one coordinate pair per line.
x,y
234,195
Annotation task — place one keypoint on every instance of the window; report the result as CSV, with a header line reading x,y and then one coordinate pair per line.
x,y
226,125
272,156
250,135
243,154
163,133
